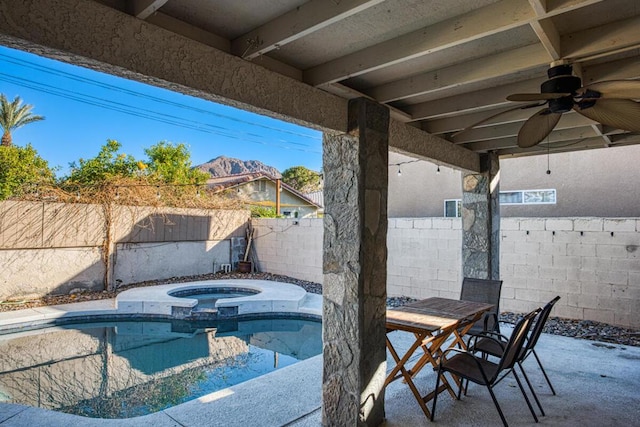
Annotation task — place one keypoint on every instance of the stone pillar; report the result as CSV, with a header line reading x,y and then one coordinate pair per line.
x,y
481,220
355,268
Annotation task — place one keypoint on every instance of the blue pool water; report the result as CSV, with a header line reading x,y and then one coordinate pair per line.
x,y
207,297
126,369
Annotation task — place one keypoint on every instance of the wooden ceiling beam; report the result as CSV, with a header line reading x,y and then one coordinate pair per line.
x,y
628,68
456,123
560,147
549,37
479,23
484,99
142,9
471,26
295,24
609,38
468,72
571,134
189,31
567,121
194,33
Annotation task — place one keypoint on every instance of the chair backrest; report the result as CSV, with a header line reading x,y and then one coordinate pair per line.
x,y
516,342
483,290
541,320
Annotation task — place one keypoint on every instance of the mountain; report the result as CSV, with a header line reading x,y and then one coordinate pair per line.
x,y
225,166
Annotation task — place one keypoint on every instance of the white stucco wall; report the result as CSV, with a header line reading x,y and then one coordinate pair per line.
x,y
592,263
137,262
26,272
57,248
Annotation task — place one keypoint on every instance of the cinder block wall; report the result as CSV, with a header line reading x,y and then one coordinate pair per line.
x,y
424,257
596,273
292,247
592,263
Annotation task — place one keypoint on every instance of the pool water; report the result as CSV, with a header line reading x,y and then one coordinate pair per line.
x,y
126,369
208,300
207,297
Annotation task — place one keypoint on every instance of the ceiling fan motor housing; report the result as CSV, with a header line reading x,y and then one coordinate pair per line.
x,y
561,81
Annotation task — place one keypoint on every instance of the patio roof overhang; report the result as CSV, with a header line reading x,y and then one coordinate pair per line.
x,y
438,66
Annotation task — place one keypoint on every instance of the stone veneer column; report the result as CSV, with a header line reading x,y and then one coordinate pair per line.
x,y
481,220
355,268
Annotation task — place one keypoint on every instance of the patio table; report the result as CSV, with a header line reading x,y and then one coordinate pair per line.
x,y
432,321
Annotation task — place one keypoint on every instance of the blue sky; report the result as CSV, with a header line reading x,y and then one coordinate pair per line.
x,y
84,108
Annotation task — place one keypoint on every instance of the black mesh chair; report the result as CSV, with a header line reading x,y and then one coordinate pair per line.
x,y
494,346
487,291
467,366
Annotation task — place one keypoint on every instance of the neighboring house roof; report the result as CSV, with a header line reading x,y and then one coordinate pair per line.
x,y
317,197
222,183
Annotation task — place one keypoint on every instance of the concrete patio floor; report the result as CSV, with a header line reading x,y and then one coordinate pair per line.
x,y
597,385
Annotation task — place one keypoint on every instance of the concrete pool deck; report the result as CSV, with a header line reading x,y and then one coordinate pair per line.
x,y
597,384
270,297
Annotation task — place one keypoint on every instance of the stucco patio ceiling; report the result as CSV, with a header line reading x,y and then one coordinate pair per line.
x,y
439,65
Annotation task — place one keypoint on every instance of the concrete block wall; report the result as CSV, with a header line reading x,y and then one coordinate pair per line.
x,y
592,263
424,258
292,247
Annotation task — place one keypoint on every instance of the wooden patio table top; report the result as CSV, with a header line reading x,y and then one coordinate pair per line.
x,y
432,321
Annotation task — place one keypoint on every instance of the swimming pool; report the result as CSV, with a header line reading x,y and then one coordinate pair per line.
x,y
122,369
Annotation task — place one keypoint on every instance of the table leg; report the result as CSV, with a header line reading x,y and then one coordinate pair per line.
x,y
400,362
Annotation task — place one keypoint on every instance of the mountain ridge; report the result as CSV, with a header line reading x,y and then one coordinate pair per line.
x,y
225,166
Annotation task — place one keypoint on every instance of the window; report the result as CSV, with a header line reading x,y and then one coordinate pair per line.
x,y
452,208
528,197
262,186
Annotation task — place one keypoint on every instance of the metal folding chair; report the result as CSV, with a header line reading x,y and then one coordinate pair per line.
x,y
467,366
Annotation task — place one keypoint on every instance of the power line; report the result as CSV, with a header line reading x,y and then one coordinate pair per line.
x,y
150,114
50,70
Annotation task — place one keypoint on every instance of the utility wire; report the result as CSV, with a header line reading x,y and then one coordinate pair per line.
x,y
150,114
50,70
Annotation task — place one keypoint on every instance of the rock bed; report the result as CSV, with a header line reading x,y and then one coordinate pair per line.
x,y
585,329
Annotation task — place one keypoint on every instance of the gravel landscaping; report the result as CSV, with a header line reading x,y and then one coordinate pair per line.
x,y
585,329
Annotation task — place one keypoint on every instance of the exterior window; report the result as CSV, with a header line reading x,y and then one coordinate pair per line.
x,y
528,197
452,208
262,186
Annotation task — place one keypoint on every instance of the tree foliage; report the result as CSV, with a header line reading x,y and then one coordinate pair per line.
x,y
302,179
14,115
20,167
262,212
167,163
171,163
106,165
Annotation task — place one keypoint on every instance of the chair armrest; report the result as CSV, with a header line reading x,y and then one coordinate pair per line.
x,y
465,354
487,316
500,339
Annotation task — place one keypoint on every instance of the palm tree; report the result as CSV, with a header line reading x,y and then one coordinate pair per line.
x,y
14,115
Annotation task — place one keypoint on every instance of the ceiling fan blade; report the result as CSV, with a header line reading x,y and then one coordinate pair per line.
x,y
617,89
493,116
537,128
527,97
618,113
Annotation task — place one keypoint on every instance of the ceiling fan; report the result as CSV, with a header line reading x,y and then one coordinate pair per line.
x,y
608,102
